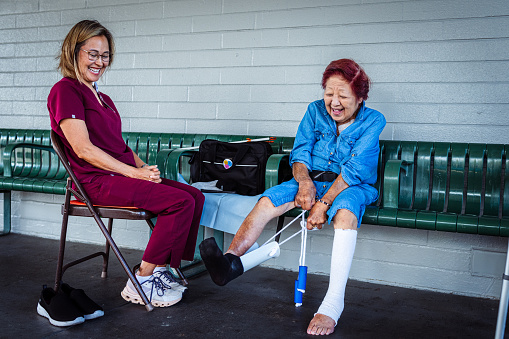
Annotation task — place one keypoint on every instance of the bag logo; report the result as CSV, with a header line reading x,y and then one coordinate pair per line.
x,y
227,163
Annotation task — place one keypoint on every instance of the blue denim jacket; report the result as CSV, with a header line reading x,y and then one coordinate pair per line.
x,y
353,154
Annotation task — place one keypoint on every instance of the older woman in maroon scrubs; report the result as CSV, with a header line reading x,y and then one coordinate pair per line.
x,y
111,173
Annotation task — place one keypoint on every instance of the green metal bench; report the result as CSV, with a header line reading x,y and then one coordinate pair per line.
x,y
28,166
449,187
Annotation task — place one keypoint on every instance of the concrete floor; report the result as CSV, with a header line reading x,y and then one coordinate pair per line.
x,y
259,304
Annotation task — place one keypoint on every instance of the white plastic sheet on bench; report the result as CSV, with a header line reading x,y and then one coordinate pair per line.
x,y
226,211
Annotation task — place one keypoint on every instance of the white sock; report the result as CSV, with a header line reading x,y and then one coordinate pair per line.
x,y
141,279
343,249
157,269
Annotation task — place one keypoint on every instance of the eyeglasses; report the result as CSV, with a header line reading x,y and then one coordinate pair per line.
x,y
94,55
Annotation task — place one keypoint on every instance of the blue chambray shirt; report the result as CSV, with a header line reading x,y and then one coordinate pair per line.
x,y
353,154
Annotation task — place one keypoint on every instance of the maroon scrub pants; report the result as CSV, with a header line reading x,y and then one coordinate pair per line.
x,y
178,207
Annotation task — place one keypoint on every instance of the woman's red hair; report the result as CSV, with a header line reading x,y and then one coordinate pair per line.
x,y
352,73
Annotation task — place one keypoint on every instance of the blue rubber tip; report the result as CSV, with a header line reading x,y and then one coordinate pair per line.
x,y
297,295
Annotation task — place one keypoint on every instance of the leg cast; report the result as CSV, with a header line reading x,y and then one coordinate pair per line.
x,y
343,248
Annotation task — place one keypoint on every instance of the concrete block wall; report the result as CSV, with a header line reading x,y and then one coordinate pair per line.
x,y
439,71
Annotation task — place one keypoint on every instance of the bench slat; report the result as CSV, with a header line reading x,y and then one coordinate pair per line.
x,y
494,157
439,178
422,175
457,178
475,178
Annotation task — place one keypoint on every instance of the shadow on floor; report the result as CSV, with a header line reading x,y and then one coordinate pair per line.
x,y
259,304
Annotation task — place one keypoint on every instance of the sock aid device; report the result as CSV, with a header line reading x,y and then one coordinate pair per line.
x,y
271,249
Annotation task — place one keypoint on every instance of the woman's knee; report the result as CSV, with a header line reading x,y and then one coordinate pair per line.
x,y
200,198
196,194
265,202
266,206
345,219
184,201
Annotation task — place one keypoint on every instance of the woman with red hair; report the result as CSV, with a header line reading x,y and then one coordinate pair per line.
x,y
334,163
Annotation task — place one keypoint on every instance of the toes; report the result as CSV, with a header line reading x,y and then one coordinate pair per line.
x,y
321,325
311,329
209,249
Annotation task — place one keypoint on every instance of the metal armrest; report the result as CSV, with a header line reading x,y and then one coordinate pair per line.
x,y
162,159
392,174
169,162
9,150
273,169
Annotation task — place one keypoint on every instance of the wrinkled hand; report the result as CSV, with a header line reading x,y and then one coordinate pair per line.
x,y
317,216
305,197
149,173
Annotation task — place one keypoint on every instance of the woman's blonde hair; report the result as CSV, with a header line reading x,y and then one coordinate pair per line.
x,y
75,39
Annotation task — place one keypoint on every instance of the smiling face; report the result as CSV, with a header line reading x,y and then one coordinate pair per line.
x,y
91,71
340,101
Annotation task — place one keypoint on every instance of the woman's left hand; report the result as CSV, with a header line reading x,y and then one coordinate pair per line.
x,y
317,216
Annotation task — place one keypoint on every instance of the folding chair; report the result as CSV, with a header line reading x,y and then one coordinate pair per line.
x,y
87,209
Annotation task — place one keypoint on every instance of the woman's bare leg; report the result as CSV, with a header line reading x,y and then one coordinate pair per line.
x,y
251,228
224,268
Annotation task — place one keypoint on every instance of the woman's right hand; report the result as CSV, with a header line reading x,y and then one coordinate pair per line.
x,y
305,197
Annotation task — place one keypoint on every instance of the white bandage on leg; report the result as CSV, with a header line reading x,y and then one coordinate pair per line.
x,y
343,249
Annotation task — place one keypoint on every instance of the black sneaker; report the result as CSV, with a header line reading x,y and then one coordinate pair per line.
x,y
58,308
87,306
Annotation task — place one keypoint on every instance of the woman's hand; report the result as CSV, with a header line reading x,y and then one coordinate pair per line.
x,y
317,216
149,173
305,197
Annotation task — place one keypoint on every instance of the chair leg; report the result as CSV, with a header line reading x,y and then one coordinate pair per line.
x,y
7,212
150,224
182,277
149,307
60,261
106,256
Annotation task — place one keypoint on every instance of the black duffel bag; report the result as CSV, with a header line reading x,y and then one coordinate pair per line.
x,y
237,167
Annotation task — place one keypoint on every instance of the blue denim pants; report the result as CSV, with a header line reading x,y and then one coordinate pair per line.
x,y
354,198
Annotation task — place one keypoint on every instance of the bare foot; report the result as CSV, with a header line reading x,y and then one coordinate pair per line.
x,y
321,325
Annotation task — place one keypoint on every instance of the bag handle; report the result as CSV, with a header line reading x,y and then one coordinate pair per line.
x,y
240,154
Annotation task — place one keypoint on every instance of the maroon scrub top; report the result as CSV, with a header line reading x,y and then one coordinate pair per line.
x,y
70,99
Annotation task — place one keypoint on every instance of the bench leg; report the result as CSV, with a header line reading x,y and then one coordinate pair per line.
x,y
504,300
280,224
7,213
195,267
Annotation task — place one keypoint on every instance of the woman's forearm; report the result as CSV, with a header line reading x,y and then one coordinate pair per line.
x,y
76,133
337,187
100,159
300,172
